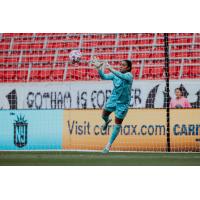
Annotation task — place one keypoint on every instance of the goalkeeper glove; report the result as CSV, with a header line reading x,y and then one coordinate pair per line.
x,y
97,64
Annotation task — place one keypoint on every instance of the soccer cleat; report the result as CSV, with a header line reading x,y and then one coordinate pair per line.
x,y
105,151
105,126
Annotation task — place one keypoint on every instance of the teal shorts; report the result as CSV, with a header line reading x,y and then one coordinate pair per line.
x,y
119,109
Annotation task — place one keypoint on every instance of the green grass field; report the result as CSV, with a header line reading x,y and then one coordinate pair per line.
x,y
44,158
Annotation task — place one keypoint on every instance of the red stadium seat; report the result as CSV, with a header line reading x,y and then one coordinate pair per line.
x,y
195,71
174,72
9,75
92,74
35,75
4,45
186,72
1,76
146,73
157,72
45,74
21,75
123,49
57,75
136,72
40,50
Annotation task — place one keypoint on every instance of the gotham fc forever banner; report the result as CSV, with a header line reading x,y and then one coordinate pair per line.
x,y
93,94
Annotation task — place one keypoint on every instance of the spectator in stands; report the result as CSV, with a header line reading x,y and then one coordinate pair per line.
x,y
180,101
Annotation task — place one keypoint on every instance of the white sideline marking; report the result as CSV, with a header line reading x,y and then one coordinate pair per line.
x,y
97,151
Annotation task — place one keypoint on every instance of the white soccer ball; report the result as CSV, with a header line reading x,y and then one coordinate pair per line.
x,y
75,56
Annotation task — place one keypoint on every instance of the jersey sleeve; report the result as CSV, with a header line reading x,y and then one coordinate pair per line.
x,y
105,76
126,76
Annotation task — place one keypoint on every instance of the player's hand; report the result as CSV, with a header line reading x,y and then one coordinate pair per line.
x,y
96,63
107,66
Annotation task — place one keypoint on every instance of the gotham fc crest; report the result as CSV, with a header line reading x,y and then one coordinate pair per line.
x,y
20,131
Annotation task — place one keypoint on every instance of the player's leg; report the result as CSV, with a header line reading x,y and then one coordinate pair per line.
x,y
107,120
120,114
116,130
114,134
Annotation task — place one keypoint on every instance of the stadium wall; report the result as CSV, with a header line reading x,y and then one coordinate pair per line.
x,y
78,129
93,94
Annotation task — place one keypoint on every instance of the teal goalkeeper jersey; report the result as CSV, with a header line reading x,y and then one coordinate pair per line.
x,y
121,93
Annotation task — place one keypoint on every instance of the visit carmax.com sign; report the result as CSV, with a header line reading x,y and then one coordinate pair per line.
x,y
142,130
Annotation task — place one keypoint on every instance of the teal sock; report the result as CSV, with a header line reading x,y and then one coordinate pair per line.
x,y
114,133
105,118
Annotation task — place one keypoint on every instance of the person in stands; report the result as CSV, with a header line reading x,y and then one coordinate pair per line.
x,y
180,101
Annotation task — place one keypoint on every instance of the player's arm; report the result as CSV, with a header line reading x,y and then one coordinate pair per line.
x,y
100,67
105,76
126,76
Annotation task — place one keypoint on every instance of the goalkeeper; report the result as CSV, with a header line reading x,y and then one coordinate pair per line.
x,y
120,97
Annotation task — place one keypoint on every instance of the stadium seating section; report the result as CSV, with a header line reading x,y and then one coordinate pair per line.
x,y
27,57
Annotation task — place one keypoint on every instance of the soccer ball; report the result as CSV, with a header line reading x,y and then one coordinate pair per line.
x,y
75,56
